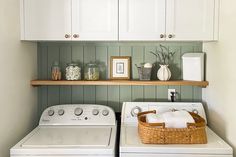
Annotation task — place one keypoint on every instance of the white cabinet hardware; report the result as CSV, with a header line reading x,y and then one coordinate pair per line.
x,y
67,36
76,36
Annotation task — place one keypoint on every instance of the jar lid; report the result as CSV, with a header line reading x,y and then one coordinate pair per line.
x,y
91,64
72,64
56,63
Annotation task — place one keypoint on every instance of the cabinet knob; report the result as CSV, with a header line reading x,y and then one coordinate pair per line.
x,y
67,36
76,35
162,36
170,36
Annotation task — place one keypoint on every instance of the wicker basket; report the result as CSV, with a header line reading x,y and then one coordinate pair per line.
x,y
156,133
144,73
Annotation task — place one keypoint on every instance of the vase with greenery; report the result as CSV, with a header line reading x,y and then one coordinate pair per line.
x,y
164,56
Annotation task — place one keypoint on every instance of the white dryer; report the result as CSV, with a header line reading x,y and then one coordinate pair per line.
x,y
131,146
71,130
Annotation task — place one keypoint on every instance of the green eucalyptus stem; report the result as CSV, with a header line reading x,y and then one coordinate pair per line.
x,y
164,56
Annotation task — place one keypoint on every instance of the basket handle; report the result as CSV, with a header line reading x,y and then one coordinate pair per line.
x,y
161,125
194,125
201,122
147,112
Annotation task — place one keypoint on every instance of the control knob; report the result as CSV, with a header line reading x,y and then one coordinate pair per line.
x,y
61,112
95,112
50,112
78,111
195,111
135,111
105,112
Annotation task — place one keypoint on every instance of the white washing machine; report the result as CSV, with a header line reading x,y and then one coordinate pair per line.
x,y
131,146
71,130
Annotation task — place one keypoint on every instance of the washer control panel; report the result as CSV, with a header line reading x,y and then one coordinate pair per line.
x,y
131,109
78,114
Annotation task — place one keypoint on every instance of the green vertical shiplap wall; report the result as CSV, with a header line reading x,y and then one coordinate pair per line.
x,y
85,52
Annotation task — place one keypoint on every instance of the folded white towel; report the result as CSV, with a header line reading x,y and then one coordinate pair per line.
x,y
154,118
176,119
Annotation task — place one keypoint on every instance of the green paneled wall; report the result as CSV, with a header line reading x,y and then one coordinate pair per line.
x,y
85,52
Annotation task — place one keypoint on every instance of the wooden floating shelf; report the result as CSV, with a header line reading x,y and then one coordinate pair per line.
x,y
119,82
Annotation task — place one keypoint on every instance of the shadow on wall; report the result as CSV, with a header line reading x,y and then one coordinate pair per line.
x,y
215,117
177,71
217,122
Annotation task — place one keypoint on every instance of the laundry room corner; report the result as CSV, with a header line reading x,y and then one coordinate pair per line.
x,y
220,71
18,113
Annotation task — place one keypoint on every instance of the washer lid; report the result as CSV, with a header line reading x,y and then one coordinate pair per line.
x,y
130,143
51,137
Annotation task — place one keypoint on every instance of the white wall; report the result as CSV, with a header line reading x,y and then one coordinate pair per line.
x,y
18,61
220,96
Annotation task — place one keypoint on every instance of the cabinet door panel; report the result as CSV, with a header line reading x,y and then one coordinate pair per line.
x,y
141,19
190,19
47,19
95,19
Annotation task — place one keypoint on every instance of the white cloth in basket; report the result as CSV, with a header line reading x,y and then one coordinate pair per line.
x,y
176,119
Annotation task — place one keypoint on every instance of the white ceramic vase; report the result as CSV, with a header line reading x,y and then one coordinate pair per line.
x,y
164,73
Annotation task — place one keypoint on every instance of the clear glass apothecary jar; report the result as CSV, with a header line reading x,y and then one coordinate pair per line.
x,y
73,72
91,72
55,71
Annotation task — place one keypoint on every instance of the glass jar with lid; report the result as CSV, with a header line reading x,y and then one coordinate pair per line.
x,y
73,71
91,72
55,71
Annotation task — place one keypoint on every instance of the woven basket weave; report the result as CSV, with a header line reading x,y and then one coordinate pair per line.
x,y
156,133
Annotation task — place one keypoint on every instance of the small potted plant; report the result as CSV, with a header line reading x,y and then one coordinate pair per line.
x,y
164,56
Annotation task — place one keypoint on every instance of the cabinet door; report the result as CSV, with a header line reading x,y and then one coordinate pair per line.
x,y
141,19
190,19
46,19
95,19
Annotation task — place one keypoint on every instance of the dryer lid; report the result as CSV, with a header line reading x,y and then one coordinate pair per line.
x,y
54,137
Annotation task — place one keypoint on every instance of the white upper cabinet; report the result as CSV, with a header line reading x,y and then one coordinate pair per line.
x,y
190,20
45,19
95,19
124,20
141,19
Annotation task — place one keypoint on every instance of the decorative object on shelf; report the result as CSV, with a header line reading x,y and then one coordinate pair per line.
x,y
163,73
56,71
120,67
164,56
193,66
144,71
91,72
73,71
